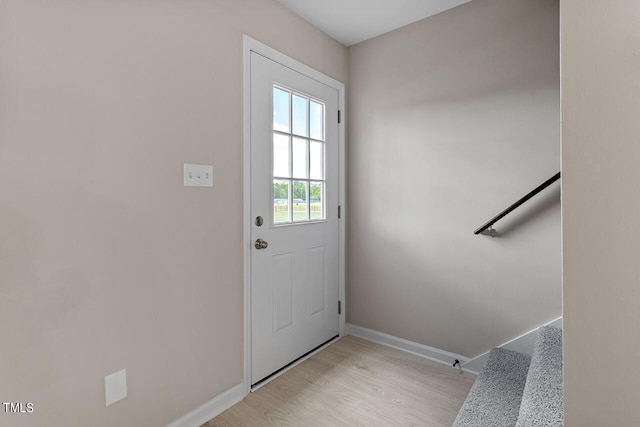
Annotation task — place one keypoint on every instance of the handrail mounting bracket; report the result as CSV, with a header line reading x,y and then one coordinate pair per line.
x,y
489,232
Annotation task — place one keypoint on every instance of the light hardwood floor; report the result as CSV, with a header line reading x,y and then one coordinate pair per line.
x,y
354,382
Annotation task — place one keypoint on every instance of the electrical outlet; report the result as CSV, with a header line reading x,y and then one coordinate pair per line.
x,y
198,175
115,387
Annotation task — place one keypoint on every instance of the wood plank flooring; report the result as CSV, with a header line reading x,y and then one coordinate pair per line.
x,y
354,382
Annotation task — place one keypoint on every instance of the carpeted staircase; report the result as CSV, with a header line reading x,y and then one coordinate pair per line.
x,y
515,389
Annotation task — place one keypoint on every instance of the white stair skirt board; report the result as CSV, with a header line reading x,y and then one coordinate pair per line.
x,y
212,408
522,344
431,353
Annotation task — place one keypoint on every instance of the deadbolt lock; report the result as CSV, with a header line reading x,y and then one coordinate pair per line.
x,y
259,221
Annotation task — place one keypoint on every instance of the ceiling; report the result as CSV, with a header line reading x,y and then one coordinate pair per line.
x,y
354,21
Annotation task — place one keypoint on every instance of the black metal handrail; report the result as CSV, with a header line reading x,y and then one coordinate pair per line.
x,y
526,197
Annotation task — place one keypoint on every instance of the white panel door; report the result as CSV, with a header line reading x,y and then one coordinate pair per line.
x,y
294,215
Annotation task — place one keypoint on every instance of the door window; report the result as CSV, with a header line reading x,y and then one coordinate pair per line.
x,y
298,153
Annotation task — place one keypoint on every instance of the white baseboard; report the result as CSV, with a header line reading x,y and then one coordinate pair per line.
x,y
523,344
212,408
431,353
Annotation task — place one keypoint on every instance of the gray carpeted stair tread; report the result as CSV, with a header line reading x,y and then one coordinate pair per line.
x,y
542,401
494,399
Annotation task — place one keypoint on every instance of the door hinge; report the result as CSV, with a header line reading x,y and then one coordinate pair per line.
x,y
338,116
339,307
339,211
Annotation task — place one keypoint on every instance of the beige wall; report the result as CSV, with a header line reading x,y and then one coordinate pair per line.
x,y
452,119
601,202
106,261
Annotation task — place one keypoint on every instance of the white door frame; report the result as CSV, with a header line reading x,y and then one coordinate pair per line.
x,y
251,45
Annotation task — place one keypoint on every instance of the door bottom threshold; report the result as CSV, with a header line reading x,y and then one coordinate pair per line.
x,y
255,386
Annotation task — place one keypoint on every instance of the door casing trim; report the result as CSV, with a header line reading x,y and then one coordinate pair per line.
x,y
251,45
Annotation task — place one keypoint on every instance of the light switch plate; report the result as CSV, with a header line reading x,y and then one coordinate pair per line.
x,y
198,175
115,387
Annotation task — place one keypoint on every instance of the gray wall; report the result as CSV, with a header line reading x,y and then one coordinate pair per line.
x,y
106,261
601,202
452,119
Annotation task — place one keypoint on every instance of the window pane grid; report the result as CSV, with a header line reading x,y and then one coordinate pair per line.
x,y
279,132
298,153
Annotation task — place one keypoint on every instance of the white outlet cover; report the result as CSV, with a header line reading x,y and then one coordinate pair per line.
x,y
115,387
198,175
